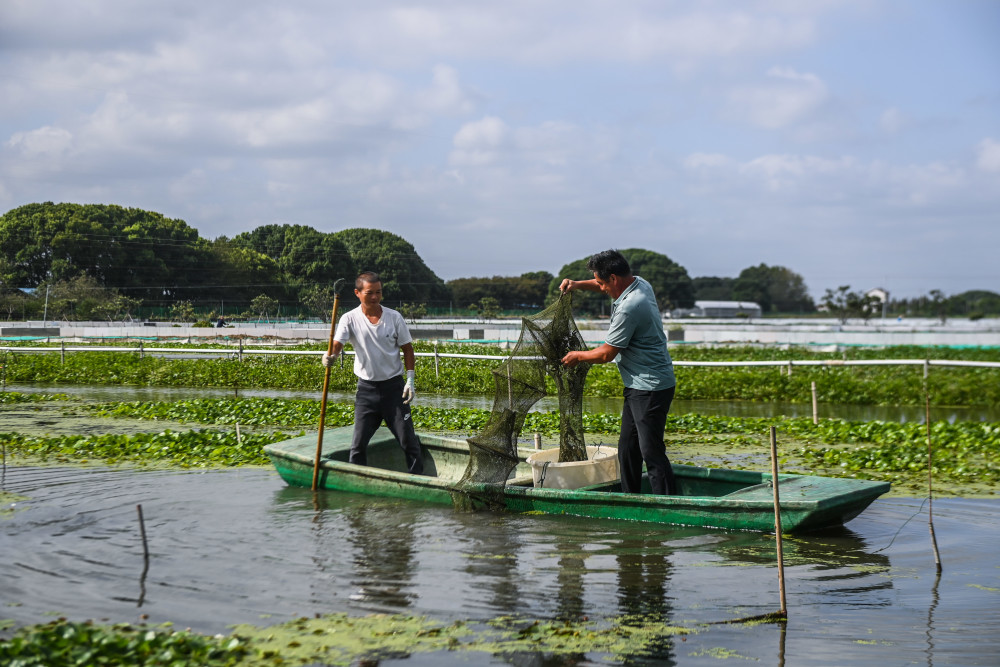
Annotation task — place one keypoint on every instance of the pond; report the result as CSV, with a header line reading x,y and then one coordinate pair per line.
x,y
239,546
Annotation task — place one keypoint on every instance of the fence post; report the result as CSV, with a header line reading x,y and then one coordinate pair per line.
x,y
62,352
927,368
241,350
789,369
142,351
437,372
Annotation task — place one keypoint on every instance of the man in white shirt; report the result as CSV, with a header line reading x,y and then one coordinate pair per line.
x,y
378,334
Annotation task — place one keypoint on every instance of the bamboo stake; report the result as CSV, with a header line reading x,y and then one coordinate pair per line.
x,y
777,520
930,492
780,616
145,545
815,406
326,383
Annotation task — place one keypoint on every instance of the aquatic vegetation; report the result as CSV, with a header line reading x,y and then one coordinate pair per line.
x,y
65,644
196,448
336,639
12,397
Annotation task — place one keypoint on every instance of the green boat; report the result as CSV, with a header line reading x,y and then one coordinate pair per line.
x,y
709,497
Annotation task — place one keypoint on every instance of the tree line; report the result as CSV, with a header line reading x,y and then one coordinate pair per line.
x,y
95,261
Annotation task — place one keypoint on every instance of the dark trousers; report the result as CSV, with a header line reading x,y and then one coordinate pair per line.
x,y
644,416
374,402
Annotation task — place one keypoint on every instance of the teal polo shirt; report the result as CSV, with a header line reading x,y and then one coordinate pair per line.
x,y
637,330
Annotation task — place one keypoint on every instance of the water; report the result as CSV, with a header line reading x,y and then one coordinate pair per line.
x,y
240,546
612,405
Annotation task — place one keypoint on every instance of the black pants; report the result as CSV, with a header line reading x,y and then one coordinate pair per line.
x,y
644,416
374,402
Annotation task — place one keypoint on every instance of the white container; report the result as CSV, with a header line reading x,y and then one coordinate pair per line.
x,y
600,468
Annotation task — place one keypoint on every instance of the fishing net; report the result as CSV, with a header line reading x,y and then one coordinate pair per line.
x,y
520,381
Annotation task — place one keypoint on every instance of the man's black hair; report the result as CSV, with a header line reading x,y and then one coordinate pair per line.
x,y
366,277
609,262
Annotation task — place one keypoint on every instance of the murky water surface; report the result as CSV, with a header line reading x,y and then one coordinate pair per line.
x,y
549,403
239,546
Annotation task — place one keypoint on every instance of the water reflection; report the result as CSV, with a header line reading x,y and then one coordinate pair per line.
x,y
492,562
383,555
569,579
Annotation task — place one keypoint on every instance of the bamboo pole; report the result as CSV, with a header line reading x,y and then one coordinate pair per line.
x,y
815,406
777,521
930,488
326,383
145,544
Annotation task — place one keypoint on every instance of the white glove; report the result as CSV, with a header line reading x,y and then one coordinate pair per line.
x,y
328,359
409,391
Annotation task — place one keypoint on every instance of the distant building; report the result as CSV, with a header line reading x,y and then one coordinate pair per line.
x,y
747,309
881,294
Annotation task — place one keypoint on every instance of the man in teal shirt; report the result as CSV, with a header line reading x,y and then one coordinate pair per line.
x,y
635,342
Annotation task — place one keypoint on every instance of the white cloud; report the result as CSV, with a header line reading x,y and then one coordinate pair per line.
x,y
892,120
704,161
479,142
988,155
46,141
786,98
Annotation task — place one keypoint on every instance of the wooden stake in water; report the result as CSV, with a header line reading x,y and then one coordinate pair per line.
x,y
930,491
145,545
815,406
777,521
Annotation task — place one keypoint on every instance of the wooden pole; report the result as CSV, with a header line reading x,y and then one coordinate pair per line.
x,y
777,520
930,491
815,406
145,545
326,383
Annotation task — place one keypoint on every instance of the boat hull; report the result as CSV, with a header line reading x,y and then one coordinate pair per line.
x,y
709,497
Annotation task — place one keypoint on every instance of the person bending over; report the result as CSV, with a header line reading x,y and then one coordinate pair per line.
x,y
636,342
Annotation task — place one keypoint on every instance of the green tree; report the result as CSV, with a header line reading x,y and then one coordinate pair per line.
x,y
488,308
776,289
711,288
844,304
404,275
304,255
182,311
264,307
117,307
413,311
146,254
318,301
239,273
527,291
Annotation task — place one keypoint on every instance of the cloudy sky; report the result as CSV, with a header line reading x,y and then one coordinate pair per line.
x,y
855,142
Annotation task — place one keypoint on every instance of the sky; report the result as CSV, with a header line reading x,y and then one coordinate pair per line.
x,y
856,142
